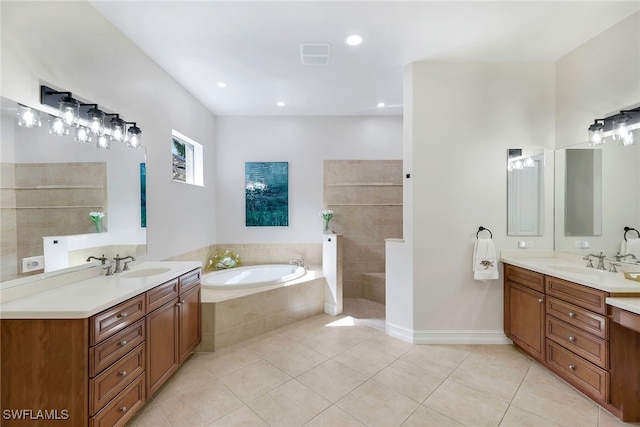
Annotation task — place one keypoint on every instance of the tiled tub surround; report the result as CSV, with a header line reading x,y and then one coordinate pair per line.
x,y
580,323
366,197
236,315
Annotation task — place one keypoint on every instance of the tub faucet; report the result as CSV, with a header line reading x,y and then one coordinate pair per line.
x,y
297,261
102,259
117,259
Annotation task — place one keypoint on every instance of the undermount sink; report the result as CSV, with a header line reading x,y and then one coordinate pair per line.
x,y
575,269
145,272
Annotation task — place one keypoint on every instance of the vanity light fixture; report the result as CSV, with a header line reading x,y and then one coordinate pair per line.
x,y
57,126
596,131
134,136
621,130
28,117
96,121
117,128
82,135
103,142
68,107
619,127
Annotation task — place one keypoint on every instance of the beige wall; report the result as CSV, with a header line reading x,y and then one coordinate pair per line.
x,y
366,197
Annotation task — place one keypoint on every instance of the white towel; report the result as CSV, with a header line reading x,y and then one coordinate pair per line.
x,y
633,247
485,264
623,247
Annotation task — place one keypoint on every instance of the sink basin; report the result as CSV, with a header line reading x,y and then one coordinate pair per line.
x,y
145,272
575,269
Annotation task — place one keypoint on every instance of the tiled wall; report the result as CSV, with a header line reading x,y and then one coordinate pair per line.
x,y
366,197
47,199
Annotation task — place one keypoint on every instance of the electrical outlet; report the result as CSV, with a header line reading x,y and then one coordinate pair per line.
x,y
582,244
525,244
33,263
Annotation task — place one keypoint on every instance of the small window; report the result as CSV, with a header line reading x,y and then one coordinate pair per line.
x,y
186,156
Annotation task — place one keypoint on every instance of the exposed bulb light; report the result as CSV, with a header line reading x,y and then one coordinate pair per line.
x,y
381,104
134,137
117,129
28,117
96,121
103,142
354,40
82,135
281,104
58,127
221,84
528,162
596,132
69,109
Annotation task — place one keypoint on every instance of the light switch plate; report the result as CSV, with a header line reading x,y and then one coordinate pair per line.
x,y
525,244
33,263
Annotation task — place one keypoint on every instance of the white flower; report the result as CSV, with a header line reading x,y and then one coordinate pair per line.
x,y
96,215
326,214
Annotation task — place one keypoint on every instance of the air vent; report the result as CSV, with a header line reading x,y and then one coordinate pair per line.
x,y
315,53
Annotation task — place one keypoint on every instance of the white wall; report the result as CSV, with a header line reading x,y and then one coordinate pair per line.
x,y
69,45
464,118
304,142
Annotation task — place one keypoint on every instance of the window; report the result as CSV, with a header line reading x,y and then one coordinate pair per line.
x,y
186,157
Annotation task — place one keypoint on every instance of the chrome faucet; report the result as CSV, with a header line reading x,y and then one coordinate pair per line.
x,y
619,257
117,259
600,261
297,261
102,259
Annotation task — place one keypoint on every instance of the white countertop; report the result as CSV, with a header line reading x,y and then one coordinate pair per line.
x,y
577,272
84,298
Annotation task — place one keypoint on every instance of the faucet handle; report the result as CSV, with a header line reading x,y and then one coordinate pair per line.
x,y
108,272
126,264
612,267
589,261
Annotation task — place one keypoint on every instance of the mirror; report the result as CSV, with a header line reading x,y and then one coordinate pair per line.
x,y
596,196
50,184
525,192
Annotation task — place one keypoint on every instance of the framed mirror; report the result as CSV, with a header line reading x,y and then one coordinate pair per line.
x,y
50,185
525,192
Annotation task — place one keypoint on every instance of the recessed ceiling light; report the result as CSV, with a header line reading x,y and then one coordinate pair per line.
x,y
221,84
380,104
280,104
354,40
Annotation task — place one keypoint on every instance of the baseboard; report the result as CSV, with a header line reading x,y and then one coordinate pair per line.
x,y
447,337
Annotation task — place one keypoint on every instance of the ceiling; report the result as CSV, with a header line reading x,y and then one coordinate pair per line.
x,y
254,47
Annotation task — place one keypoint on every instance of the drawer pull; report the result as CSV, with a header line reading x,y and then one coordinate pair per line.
x,y
572,339
123,342
572,314
178,304
540,300
182,302
122,315
123,409
572,367
123,373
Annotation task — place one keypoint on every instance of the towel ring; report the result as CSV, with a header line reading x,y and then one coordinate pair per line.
x,y
481,228
628,229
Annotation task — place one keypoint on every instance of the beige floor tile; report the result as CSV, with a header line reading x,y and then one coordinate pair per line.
x,y
188,377
409,380
201,405
228,360
241,417
377,405
516,417
425,417
466,405
255,380
291,404
334,417
335,339
149,417
296,359
542,392
269,344
605,419
332,380
365,359
437,359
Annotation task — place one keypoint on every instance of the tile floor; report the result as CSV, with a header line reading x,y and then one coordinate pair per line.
x,y
338,371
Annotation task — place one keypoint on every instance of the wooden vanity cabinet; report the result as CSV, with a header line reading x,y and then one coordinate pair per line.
x,y
99,371
524,310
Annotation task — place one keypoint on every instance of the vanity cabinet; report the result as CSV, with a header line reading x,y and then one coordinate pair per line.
x,y
98,371
524,310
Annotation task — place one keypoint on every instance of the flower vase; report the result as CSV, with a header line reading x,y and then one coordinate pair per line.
x,y
326,226
98,225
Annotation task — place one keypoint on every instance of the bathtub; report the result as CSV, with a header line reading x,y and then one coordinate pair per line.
x,y
252,276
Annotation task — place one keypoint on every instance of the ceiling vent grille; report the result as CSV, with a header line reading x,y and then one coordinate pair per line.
x,y
315,53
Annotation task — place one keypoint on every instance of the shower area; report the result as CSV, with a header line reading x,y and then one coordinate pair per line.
x,y
366,197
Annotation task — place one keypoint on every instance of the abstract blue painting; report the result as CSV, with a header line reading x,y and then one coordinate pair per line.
x,y
266,194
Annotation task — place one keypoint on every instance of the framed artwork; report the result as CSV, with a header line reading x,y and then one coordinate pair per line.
x,y
266,194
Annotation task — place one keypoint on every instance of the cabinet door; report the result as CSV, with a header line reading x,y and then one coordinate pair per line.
x,y
190,323
162,344
524,318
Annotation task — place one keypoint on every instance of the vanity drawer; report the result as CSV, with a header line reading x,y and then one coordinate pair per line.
x,y
189,280
123,407
587,377
159,295
112,349
595,350
524,277
579,317
108,384
583,296
118,317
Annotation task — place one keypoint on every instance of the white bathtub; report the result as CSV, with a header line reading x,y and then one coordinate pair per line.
x,y
251,276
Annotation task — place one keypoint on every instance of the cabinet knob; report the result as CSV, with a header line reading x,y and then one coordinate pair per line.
x,y
572,314
123,409
123,373
121,315
178,304
572,339
572,367
182,302
540,300
123,342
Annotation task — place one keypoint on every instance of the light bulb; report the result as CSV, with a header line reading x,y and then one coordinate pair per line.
x,y
28,117
58,127
96,121
134,137
69,109
528,162
117,129
82,135
103,142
